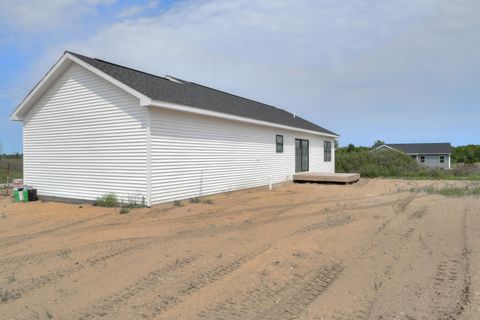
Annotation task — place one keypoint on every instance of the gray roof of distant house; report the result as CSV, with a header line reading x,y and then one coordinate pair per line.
x,y
422,148
198,96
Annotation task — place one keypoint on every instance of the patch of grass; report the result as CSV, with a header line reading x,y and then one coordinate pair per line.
x,y
6,295
65,253
475,191
15,171
124,210
107,200
11,278
450,191
134,200
178,203
194,200
49,314
208,201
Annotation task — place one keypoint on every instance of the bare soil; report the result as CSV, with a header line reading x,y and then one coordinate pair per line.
x,y
372,250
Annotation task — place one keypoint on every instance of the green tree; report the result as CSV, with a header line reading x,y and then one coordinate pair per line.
x,y
378,143
466,154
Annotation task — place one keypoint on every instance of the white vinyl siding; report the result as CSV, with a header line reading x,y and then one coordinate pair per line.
x,y
86,137
433,161
193,155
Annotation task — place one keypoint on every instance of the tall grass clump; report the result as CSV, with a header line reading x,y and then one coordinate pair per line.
x,y
107,200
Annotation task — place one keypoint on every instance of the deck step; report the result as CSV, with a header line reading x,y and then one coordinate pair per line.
x,y
326,177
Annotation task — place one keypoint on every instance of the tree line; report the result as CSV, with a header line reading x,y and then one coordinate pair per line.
x,y
11,156
466,154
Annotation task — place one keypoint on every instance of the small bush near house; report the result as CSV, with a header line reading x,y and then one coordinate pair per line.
x,y
124,210
208,201
194,200
177,203
107,200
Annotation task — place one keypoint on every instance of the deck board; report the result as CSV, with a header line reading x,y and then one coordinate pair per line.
x,y
326,177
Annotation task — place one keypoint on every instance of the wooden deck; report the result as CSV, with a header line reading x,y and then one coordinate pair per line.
x,y
326,177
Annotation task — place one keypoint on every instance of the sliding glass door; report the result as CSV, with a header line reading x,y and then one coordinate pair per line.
x,y
301,155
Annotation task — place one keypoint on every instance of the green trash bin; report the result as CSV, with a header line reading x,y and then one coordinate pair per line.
x,y
20,195
25,195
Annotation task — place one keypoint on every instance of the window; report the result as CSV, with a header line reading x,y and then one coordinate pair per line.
x,y
442,159
422,159
327,151
279,140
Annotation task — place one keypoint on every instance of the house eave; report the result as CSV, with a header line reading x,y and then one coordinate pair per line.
x,y
215,114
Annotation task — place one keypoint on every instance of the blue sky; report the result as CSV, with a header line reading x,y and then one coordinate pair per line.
x,y
396,70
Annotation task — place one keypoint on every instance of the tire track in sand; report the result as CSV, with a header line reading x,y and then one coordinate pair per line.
x,y
144,283
273,301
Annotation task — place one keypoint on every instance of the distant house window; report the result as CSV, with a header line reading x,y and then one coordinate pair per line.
x,y
279,140
422,159
327,151
442,159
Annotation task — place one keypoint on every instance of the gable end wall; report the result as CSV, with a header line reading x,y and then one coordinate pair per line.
x,y
84,138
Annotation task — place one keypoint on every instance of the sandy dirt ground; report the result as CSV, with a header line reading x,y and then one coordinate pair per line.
x,y
372,250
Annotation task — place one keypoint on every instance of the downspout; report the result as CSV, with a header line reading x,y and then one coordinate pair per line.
x,y
149,159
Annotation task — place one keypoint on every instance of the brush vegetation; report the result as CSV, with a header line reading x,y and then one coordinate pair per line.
x,y
393,164
107,200
10,167
451,191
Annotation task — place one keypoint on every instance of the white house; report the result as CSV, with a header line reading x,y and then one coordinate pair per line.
x,y
91,127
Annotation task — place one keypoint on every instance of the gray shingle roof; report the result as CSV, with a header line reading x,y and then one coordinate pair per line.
x,y
198,96
422,148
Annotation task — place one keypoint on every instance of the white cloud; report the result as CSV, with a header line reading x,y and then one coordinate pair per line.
x,y
374,60
40,15
137,9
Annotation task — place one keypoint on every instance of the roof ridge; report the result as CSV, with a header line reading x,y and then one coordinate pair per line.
x,y
237,96
119,65
420,143
132,69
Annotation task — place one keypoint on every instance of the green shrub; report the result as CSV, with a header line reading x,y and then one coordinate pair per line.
x,y
466,154
475,191
208,201
385,163
177,203
124,210
107,200
194,200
